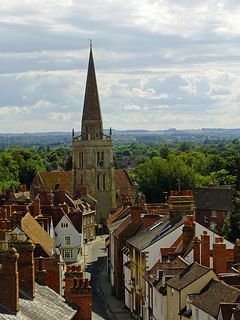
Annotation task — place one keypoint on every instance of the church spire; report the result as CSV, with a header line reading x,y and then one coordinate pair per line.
x,y
92,127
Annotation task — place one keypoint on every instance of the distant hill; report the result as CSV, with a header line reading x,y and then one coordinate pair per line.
x,y
120,136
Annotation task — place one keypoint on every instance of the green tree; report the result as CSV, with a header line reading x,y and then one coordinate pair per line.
x,y
231,228
9,170
159,175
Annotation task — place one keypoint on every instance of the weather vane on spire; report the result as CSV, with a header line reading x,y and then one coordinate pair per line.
x,y
90,42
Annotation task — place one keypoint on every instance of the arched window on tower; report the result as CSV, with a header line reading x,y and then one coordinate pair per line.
x,y
104,181
98,182
100,158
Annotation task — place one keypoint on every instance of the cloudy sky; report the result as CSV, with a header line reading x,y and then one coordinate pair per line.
x,y
159,63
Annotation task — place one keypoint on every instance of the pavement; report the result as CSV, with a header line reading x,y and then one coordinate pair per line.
x,y
114,308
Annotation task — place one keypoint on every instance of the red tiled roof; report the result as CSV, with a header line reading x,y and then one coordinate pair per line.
x,y
122,179
50,179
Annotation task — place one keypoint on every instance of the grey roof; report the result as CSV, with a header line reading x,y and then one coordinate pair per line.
x,y
155,232
214,198
191,273
47,304
213,294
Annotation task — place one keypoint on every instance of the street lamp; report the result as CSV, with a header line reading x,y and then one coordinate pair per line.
x,y
179,185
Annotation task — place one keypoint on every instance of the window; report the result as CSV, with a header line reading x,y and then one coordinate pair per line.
x,y
100,158
104,181
98,182
206,219
67,253
67,240
64,225
214,214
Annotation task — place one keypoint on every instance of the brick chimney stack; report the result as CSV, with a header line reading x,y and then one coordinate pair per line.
x,y
136,212
16,218
188,229
79,292
26,265
36,207
9,282
49,199
127,201
219,256
196,250
205,249
41,273
4,221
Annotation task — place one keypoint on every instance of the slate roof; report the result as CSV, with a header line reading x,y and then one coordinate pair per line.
x,y
127,229
47,304
155,232
76,219
213,198
36,233
213,294
191,273
120,213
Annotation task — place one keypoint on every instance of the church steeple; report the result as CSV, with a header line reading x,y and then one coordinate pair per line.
x,y
92,127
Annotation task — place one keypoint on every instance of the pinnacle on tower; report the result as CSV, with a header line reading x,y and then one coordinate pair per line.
x,y
92,127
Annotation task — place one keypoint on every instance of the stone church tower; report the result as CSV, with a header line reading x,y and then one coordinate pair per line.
x,y
92,154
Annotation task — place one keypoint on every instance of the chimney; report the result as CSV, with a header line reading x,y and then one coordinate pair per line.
x,y
82,190
188,230
196,250
41,273
36,207
205,249
127,201
71,273
16,218
149,219
79,292
26,266
219,256
136,214
49,199
9,282
4,221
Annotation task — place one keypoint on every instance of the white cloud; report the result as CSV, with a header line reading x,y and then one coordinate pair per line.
x,y
159,64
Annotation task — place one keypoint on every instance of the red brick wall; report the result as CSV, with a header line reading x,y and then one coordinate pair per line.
x,y
26,267
9,282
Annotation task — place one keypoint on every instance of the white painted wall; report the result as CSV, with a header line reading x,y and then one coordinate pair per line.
x,y
127,281
76,239
153,250
112,268
159,305
198,314
199,230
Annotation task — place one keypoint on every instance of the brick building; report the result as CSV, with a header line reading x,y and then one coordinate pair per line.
x,y
213,204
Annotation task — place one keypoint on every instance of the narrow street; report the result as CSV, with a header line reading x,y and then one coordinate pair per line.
x,y
105,306
96,263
